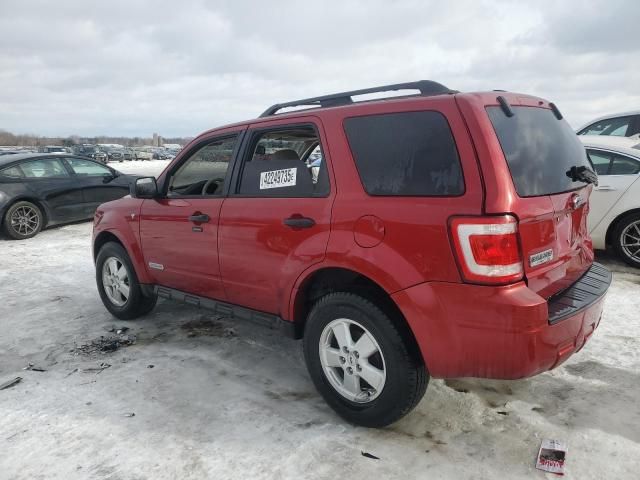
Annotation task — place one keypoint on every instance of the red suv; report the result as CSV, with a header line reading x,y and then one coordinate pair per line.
x,y
439,234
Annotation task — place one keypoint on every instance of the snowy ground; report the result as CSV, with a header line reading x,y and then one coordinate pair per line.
x,y
234,401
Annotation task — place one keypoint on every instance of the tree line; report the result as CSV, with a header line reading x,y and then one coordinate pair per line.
x,y
29,140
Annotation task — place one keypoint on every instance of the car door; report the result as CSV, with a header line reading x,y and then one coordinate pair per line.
x,y
276,222
96,182
179,230
616,173
51,181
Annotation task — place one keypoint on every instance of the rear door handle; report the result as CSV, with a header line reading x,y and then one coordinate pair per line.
x,y
605,188
299,222
199,218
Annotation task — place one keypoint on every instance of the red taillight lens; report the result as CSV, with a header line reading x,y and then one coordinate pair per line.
x,y
487,248
495,249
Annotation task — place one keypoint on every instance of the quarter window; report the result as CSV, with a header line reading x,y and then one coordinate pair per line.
x,y
205,171
285,163
12,172
600,161
409,154
46,168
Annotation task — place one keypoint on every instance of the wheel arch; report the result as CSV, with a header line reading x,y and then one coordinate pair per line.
x,y
327,280
612,226
104,237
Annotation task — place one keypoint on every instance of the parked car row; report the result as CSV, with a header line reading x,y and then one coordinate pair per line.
x,y
117,153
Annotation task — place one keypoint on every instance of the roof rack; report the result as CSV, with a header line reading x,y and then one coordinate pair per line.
x,y
426,87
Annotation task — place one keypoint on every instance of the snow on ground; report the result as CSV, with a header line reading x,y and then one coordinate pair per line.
x,y
235,401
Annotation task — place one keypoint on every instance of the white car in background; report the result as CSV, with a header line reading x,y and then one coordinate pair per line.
x,y
617,125
614,216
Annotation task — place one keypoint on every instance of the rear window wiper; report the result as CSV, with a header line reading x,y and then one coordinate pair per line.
x,y
582,174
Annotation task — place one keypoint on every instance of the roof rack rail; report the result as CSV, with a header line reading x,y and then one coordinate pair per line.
x,y
426,87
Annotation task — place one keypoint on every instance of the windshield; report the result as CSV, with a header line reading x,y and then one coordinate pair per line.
x,y
540,150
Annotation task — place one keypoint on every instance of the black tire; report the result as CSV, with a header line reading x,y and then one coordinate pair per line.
x,y
137,304
631,221
18,232
406,378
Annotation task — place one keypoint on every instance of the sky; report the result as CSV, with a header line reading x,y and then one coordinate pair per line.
x,y
178,68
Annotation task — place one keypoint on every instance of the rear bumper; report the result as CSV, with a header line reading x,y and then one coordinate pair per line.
x,y
503,332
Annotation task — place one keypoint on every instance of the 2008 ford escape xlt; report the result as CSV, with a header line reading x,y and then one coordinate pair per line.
x,y
438,234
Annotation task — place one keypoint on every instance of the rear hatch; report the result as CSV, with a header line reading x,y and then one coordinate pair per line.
x,y
547,163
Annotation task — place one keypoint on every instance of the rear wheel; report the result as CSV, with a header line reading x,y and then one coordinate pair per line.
x,y
23,220
359,361
118,284
626,239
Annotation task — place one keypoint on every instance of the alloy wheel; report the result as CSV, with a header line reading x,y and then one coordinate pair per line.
x,y
630,240
352,360
115,281
25,220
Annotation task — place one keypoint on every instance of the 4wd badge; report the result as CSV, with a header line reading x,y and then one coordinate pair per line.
x,y
540,258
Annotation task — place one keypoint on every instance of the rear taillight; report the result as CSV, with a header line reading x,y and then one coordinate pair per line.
x,y
487,248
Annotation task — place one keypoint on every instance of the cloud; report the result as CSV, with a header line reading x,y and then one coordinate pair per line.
x,y
134,67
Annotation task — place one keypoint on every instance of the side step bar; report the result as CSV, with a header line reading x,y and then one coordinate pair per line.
x,y
273,322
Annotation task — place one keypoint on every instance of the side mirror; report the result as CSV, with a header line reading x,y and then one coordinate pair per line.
x,y
145,187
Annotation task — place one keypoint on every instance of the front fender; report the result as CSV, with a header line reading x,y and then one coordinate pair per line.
x,y
121,219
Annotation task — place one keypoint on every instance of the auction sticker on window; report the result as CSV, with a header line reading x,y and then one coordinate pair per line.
x,y
278,178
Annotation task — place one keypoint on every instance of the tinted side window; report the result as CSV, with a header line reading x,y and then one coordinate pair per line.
x,y
409,154
46,168
624,166
285,163
205,171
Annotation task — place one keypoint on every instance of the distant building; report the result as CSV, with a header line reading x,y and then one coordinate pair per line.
x,y
155,140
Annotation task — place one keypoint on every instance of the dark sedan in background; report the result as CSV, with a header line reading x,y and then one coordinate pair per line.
x,y
38,190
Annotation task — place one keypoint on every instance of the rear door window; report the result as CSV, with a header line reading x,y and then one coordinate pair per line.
x,y
405,154
46,168
624,166
540,150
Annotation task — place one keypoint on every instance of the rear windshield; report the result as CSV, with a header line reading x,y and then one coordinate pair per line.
x,y
540,150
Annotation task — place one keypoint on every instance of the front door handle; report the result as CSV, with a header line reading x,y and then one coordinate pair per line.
x,y
605,188
299,222
199,218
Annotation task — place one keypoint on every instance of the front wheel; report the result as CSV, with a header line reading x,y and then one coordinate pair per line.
x,y
626,239
118,284
359,361
23,220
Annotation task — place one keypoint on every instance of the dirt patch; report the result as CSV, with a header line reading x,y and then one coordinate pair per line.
x,y
207,326
103,345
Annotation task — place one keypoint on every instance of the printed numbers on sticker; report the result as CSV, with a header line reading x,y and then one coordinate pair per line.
x,y
278,178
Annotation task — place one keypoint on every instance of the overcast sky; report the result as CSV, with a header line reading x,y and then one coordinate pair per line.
x,y
178,68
